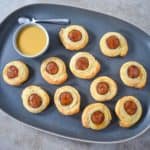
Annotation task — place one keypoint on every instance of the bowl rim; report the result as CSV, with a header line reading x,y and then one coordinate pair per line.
x,y
18,30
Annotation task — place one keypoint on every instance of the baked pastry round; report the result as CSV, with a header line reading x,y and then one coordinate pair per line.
x,y
84,65
67,100
129,111
133,74
15,73
53,70
96,116
103,88
35,99
113,44
74,37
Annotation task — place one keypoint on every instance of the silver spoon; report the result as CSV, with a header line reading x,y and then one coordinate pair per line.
x,y
59,21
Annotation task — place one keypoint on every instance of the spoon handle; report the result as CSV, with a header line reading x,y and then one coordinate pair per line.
x,y
63,21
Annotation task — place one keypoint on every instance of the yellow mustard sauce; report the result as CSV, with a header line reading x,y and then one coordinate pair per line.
x,y
31,40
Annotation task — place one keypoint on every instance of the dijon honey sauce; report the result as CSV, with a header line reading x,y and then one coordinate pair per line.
x,y
31,40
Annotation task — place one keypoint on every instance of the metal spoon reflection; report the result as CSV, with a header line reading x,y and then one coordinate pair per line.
x,y
59,21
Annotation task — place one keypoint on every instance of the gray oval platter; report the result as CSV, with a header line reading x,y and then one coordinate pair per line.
x,y
50,120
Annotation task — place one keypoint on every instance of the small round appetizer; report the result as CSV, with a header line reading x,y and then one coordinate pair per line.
x,y
96,116
67,100
129,111
15,73
113,44
74,37
84,65
35,99
53,70
133,74
103,88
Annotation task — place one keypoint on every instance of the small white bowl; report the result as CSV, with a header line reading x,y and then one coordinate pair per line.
x,y
19,29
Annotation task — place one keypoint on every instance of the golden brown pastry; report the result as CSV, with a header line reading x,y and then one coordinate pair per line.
x,y
103,88
74,37
15,73
53,70
133,74
96,116
67,100
84,65
129,111
113,44
35,99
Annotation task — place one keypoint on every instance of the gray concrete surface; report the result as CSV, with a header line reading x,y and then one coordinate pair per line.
x,y
15,136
